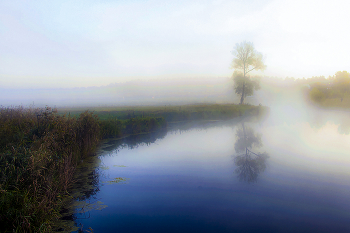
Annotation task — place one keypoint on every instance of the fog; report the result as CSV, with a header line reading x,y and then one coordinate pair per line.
x,y
153,92
149,53
92,43
219,90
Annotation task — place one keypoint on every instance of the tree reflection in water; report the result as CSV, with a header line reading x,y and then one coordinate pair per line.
x,y
249,164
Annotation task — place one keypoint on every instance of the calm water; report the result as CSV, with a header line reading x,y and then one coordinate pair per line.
x,y
287,173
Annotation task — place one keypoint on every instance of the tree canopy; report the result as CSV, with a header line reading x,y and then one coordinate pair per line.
x,y
342,81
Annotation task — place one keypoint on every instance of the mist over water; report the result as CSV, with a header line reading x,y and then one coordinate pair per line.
x,y
152,92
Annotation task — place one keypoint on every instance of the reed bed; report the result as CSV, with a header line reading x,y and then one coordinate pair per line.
x,y
39,150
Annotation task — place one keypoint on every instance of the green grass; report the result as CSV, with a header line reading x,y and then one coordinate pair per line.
x,y
114,128
170,113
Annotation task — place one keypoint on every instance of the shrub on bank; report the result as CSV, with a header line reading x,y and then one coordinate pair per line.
x,y
316,95
143,125
113,128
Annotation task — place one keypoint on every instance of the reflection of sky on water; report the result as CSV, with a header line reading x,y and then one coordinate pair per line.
x,y
320,148
186,181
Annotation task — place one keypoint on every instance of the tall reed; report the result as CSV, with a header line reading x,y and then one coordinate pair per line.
x,y
39,151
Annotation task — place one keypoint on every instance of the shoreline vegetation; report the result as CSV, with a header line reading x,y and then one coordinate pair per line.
x,y
333,92
41,148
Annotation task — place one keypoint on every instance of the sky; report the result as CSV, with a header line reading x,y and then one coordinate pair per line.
x,y
83,43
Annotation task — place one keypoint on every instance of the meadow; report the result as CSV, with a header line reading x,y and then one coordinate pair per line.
x,y
170,113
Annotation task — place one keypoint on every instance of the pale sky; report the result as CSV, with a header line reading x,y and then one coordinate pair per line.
x,y
84,43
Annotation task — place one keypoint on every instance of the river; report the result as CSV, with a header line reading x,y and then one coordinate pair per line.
x,y
287,172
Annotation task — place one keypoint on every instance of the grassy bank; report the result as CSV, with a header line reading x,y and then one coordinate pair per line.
x,y
114,128
169,113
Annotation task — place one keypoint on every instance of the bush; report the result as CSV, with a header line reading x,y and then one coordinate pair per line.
x,y
110,128
316,95
143,125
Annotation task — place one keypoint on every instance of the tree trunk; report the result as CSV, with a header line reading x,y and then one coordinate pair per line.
x,y
242,97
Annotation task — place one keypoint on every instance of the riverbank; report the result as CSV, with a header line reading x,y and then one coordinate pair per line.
x,y
40,150
169,112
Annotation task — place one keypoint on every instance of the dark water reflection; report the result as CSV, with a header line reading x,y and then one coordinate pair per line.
x,y
249,164
289,173
133,141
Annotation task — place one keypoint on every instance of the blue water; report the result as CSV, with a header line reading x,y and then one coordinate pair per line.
x,y
287,173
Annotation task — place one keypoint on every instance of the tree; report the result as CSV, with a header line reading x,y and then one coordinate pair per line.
x,y
342,81
317,95
246,60
244,86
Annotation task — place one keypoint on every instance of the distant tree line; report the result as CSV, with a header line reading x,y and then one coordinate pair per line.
x,y
336,86
320,88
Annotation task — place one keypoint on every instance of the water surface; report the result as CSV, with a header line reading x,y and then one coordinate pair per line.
x,y
287,173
